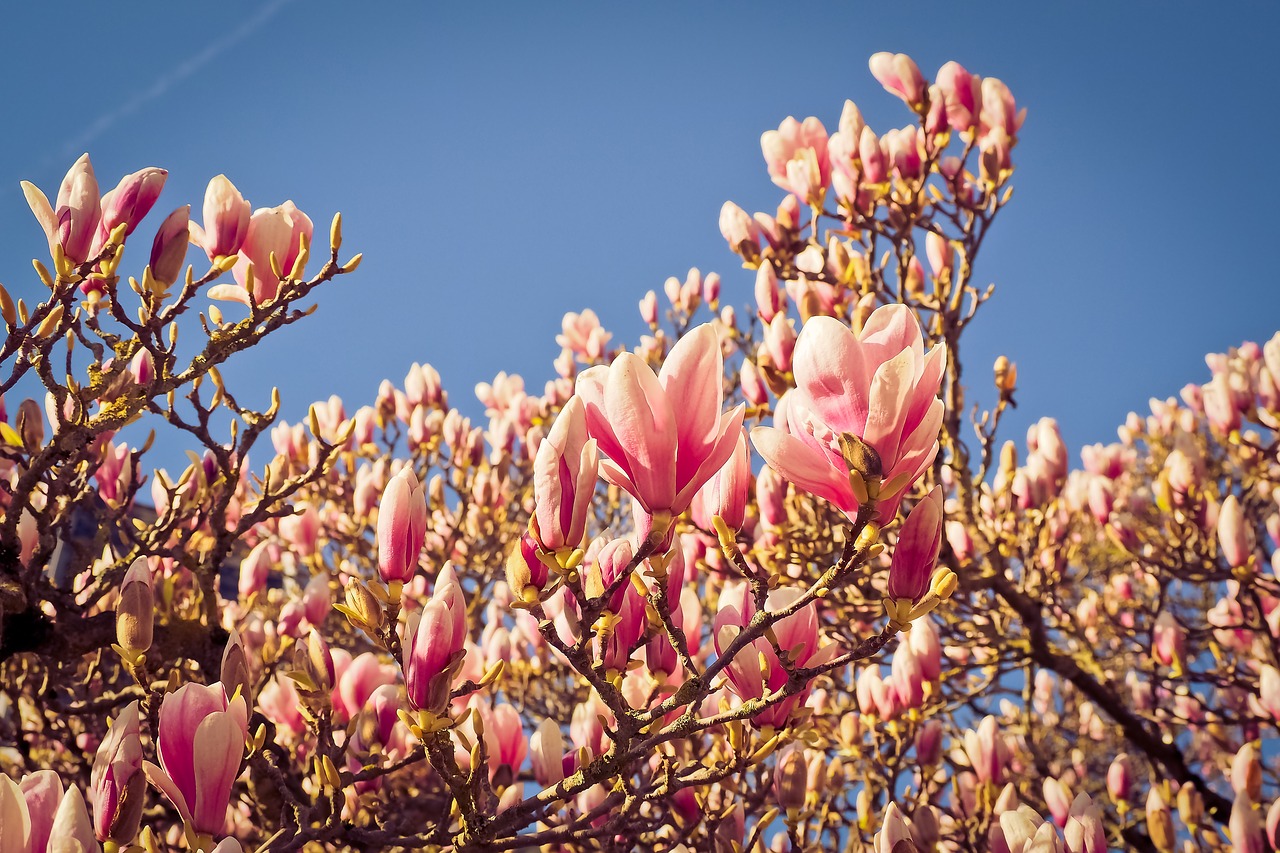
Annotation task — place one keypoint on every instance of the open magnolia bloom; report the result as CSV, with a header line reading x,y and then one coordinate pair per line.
x,y
879,385
201,741
664,435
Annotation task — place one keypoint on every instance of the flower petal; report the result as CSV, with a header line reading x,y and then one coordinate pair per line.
x,y
832,373
804,466
693,375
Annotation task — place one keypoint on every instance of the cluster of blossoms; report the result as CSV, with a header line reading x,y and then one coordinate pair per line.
x,y
755,584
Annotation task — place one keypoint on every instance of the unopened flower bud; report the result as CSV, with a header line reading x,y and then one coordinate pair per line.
x,y
362,608
1159,821
169,251
402,527
1246,772
1190,805
790,778
131,200
142,367
527,575
1120,778
1006,375
234,673
917,550
118,787
861,457
135,614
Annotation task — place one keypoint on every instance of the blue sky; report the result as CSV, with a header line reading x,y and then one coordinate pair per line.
x,y
500,164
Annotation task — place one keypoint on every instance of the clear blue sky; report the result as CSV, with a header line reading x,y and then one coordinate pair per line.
x,y
500,164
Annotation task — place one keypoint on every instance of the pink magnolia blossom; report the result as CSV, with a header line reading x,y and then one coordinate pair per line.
x,y
358,681
1084,831
1232,535
41,791
402,527
740,230
986,750
226,220
917,550
649,309
583,335
200,744
130,201
78,211
797,158
1168,640
929,742
770,298
1057,797
962,92
1245,826
505,740
726,494
753,387
435,649
1120,778
1000,114
879,385
169,249
272,231
899,75
117,785
664,435
546,753
564,478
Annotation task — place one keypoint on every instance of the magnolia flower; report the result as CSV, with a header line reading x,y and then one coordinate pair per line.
x,y
226,220
879,386
564,477
899,75
275,231
117,785
200,744
664,435
435,649
402,527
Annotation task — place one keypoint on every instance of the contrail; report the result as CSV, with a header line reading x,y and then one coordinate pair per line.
x,y
181,72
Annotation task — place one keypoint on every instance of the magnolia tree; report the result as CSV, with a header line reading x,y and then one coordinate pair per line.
x,y
766,582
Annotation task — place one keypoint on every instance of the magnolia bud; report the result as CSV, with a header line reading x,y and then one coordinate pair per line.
x,y
169,251
527,575
1006,375
861,457
362,608
790,778
234,673
135,614
1190,805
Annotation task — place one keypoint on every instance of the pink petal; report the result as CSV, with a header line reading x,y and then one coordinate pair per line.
x,y
219,743
718,455
832,374
693,375
166,786
804,466
926,385
641,418
590,389
888,331
890,392
229,293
